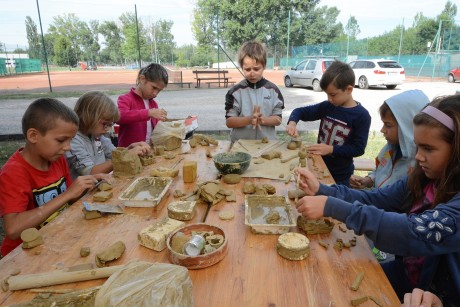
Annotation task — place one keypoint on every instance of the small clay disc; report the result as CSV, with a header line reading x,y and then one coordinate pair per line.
x,y
226,215
293,246
29,234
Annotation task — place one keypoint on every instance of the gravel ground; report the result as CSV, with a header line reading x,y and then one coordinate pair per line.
x,y
208,104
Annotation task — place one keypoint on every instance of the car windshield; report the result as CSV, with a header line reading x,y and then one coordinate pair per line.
x,y
389,64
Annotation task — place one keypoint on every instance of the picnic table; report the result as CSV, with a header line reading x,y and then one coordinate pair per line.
x,y
251,274
211,76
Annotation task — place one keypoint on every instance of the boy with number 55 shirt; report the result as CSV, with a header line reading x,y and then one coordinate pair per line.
x,y
345,123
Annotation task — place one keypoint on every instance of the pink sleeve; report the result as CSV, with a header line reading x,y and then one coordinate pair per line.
x,y
130,112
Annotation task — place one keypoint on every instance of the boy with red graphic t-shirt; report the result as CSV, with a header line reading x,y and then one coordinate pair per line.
x,y
35,183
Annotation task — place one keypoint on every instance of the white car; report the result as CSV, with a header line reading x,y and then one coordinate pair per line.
x,y
388,73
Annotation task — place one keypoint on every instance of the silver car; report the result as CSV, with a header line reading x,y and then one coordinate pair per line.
x,y
307,73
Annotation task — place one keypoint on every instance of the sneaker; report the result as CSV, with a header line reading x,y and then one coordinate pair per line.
x,y
381,256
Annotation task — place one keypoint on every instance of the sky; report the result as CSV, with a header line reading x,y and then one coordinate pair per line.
x,y
374,17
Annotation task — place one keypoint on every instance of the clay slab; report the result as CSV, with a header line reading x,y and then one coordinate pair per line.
x,y
145,191
257,207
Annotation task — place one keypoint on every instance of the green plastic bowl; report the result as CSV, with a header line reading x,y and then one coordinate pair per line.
x,y
232,162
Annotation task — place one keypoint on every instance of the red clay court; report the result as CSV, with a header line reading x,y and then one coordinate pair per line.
x,y
81,81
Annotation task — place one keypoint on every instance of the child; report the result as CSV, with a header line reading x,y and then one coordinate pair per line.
x,y
254,106
397,158
418,217
344,126
35,183
90,151
139,112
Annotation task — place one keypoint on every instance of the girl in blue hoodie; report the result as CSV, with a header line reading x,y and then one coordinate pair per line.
x,y
418,217
397,158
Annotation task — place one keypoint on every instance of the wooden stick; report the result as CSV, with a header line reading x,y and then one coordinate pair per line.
x,y
57,291
21,282
297,188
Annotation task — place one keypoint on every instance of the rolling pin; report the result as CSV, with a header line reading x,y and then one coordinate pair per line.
x,y
21,282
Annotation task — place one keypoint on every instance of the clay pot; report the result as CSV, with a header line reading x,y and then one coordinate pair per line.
x,y
200,261
232,162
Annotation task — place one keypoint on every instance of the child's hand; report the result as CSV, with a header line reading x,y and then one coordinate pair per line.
x,y
291,129
320,149
308,181
81,185
256,117
312,207
105,177
419,297
160,114
140,148
358,182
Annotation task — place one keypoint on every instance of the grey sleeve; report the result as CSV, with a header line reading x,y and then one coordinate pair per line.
x,y
107,146
79,159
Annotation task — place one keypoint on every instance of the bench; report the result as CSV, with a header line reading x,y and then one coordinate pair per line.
x,y
211,76
226,84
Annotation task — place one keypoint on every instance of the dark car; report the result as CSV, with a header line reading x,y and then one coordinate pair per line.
x,y
454,75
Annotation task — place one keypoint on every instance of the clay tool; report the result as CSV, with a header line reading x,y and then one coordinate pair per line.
x,y
103,208
244,147
297,189
99,183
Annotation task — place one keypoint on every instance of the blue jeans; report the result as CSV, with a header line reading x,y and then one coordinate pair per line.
x,y
396,274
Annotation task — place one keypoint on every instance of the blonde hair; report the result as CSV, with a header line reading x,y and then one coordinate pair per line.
x,y
92,107
254,50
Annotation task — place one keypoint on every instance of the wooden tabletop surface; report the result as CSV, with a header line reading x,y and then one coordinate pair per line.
x,y
251,274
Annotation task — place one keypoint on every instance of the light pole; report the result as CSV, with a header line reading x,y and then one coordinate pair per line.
x,y
44,47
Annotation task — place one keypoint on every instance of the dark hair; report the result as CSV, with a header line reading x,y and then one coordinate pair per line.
x,y
255,50
153,72
385,109
338,74
92,107
449,184
43,113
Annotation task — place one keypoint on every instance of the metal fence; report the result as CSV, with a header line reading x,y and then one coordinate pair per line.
x,y
19,66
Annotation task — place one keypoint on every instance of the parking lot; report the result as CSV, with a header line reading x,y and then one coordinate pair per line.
x,y
208,104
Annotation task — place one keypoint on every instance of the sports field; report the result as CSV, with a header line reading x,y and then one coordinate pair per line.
x,y
103,80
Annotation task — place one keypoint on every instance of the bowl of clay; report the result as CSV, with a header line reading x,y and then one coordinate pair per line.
x,y
215,249
232,162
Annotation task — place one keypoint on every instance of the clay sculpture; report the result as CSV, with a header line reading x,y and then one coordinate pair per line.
x,y
315,226
147,159
293,246
125,163
31,237
113,252
154,236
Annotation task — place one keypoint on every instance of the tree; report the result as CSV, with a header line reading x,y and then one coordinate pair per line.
x,y
162,41
130,45
113,42
62,54
34,40
352,29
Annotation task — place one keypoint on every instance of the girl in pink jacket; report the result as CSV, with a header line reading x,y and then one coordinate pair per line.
x,y
139,112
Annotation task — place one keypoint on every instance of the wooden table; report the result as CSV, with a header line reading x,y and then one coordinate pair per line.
x,y
252,273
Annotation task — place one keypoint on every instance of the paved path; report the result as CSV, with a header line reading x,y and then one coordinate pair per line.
x,y
208,104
